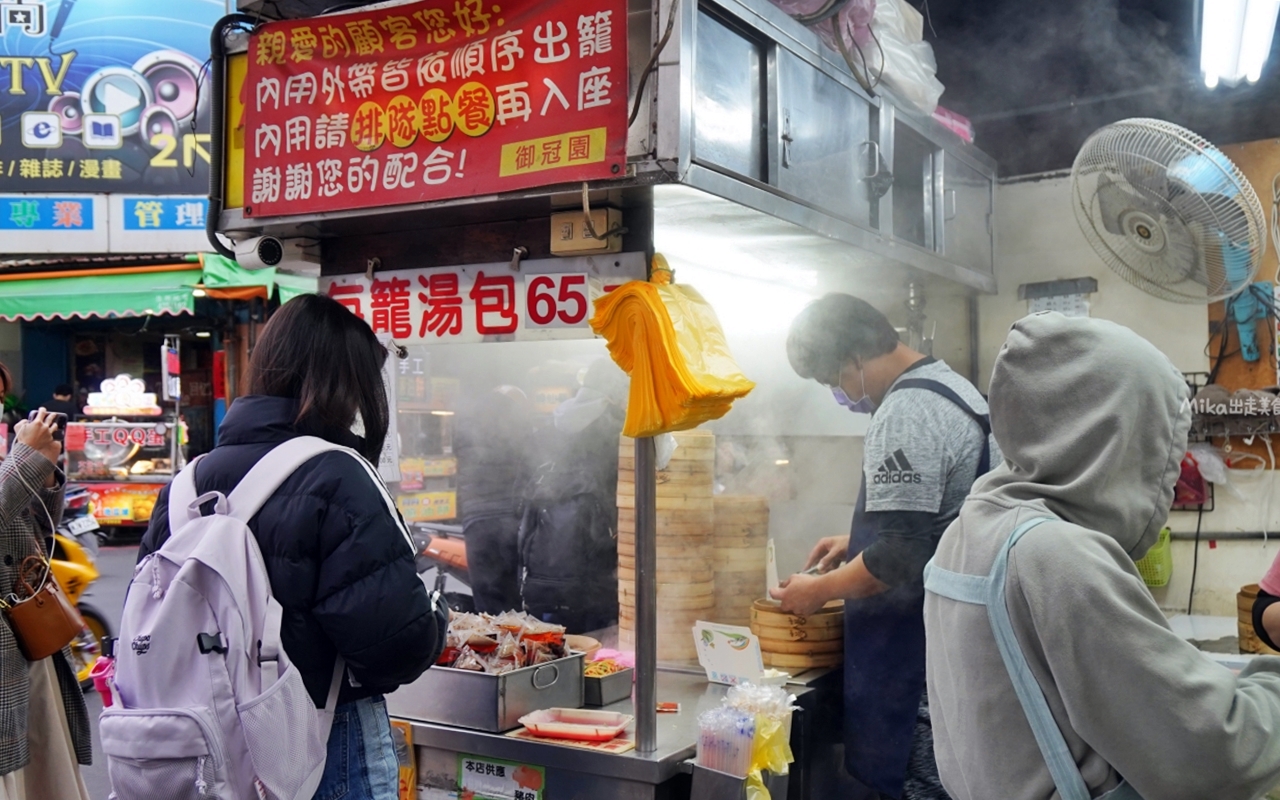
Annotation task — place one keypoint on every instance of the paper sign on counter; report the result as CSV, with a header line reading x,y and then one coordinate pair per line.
x,y
490,779
771,566
730,654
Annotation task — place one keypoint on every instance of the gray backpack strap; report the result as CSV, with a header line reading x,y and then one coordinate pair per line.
x,y
250,494
183,496
1053,745
989,591
273,469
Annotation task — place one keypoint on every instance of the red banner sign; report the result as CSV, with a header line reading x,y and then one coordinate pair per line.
x,y
431,100
484,302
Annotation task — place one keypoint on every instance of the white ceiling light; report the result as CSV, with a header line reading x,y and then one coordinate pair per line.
x,y
1235,39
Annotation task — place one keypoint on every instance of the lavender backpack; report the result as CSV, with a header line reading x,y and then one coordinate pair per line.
x,y
206,704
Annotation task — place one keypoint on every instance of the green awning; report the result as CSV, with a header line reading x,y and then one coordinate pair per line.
x,y
290,286
121,295
224,273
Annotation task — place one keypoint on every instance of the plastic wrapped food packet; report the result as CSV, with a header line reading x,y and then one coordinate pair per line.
x,y
468,659
448,656
497,666
508,646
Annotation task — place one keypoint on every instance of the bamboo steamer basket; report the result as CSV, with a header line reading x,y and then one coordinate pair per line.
x,y
768,613
627,466
668,650
790,641
689,575
792,662
740,540
738,559
627,590
680,502
701,518
1249,639
690,446
780,646
684,530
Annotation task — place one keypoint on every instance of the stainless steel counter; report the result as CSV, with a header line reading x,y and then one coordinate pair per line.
x,y
591,773
677,737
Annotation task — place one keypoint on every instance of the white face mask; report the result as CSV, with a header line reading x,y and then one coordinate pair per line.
x,y
357,425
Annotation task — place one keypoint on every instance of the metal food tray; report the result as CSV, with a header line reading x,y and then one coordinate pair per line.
x,y
485,702
608,689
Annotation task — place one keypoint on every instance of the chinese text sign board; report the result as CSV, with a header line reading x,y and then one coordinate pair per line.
x,y
53,224
489,779
105,95
56,223
151,224
433,100
488,302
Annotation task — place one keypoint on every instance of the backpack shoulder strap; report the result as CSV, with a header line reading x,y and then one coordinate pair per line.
x,y
273,469
940,388
184,496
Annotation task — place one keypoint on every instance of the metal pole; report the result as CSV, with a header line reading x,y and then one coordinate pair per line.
x,y
646,598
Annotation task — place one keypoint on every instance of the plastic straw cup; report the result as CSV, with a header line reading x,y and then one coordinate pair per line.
x,y
103,671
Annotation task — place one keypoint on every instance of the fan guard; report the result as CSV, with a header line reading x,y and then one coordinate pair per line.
x,y
1168,211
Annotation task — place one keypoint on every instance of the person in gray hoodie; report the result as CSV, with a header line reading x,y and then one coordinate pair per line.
x,y
1051,671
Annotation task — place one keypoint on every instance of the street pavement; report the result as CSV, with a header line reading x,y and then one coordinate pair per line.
x,y
106,595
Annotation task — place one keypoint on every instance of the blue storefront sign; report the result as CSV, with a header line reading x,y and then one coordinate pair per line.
x,y
165,213
30,213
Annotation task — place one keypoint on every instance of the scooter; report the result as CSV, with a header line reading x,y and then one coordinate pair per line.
x,y
442,548
74,567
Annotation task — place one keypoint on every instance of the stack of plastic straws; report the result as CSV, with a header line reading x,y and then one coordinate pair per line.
x,y
725,740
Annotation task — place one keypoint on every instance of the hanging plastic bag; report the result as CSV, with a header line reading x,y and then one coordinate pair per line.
x,y
771,750
668,339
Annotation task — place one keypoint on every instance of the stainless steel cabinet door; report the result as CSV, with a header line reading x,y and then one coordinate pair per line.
x,y
823,128
966,213
913,186
728,100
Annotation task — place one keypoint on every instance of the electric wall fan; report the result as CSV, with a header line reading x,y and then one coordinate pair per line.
x,y
1170,213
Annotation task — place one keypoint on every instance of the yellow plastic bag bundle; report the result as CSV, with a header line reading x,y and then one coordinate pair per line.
x,y
771,750
668,339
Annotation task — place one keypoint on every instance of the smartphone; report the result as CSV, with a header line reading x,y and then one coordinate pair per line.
x,y
60,433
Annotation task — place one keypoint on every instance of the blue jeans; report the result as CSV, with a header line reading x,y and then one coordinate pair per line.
x,y
361,763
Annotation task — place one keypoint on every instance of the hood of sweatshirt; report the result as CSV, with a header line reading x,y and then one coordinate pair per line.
x,y
1092,420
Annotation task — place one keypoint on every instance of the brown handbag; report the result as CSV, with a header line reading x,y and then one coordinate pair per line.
x,y
43,620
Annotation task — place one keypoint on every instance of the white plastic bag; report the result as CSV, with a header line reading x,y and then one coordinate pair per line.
x,y
910,68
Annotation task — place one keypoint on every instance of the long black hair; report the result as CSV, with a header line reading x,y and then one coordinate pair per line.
x,y
316,351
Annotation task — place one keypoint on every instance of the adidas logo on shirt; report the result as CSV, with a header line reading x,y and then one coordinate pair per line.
x,y
896,469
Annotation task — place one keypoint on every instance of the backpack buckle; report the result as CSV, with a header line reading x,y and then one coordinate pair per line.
x,y
210,643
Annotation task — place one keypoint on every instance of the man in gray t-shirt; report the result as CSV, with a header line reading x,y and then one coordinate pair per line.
x,y
929,439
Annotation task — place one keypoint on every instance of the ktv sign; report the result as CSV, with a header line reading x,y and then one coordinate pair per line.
x,y
105,95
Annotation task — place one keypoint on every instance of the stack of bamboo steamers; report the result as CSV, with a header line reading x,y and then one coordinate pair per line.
x,y
711,560
741,539
685,523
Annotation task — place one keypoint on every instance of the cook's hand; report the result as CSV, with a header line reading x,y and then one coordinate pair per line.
x,y
38,435
801,594
828,553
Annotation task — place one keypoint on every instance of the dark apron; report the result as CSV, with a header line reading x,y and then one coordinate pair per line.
x,y
884,648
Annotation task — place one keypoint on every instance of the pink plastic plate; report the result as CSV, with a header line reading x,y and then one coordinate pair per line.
x,y
578,724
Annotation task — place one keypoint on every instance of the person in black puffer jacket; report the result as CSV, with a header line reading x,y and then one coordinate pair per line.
x,y
338,556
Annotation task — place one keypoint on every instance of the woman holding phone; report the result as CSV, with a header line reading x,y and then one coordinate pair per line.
x,y
44,728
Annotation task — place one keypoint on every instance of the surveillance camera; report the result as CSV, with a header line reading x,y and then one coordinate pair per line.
x,y
261,252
